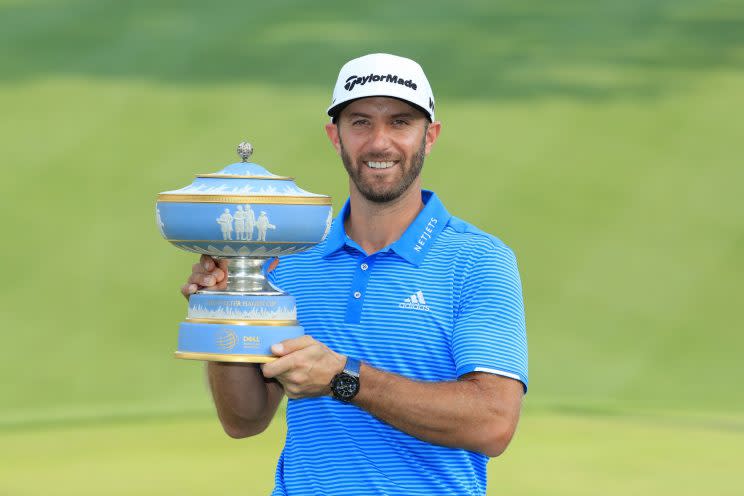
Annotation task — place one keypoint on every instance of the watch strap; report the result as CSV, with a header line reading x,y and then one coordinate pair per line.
x,y
352,366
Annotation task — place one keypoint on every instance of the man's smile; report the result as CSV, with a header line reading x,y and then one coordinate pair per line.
x,y
381,165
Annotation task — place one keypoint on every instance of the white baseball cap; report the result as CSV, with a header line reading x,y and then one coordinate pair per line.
x,y
382,74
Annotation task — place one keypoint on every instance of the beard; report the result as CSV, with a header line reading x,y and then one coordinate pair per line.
x,y
411,171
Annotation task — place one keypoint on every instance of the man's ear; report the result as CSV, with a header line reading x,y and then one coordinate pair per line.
x,y
332,132
432,133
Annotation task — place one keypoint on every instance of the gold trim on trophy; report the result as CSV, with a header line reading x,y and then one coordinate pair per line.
x,y
273,200
243,242
235,176
287,323
220,357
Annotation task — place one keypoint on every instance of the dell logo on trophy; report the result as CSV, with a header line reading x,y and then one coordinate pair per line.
x,y
244,214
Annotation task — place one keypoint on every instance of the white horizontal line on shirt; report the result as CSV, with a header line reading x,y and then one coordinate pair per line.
x,y
497,372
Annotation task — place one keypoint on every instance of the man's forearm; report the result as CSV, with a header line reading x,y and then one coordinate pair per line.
x,y
245,402
478,413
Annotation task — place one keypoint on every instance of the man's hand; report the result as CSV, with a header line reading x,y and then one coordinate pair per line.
x,y
211,274
305,367
207,274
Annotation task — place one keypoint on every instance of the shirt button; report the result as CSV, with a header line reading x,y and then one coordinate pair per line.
x,y
357,294
365,266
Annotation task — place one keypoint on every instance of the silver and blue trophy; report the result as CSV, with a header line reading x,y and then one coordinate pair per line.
x,y
244,214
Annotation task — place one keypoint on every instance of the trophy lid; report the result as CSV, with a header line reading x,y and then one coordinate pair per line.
x,y
242,179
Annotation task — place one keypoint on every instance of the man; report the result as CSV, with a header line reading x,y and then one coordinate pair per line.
x,y
239,218
262,225
250,221
225,221
414,365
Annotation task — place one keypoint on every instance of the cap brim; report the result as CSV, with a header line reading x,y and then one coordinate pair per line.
x,y
336,109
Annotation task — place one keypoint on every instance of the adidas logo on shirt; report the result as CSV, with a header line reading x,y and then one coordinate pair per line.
x,y
415,302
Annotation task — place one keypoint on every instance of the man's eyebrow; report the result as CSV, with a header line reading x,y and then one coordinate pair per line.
x,y
359,114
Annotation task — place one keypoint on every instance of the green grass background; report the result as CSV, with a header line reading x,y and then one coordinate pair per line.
x,y
600,140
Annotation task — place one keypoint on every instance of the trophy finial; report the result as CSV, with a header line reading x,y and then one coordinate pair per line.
x,y
245,150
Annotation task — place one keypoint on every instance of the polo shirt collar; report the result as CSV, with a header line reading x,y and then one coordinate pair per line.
x,y
416,240
336,238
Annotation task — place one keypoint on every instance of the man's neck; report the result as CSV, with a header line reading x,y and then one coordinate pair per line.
x,y
376,225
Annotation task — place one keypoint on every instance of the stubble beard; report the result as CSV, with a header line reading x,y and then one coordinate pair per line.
x,y
367,190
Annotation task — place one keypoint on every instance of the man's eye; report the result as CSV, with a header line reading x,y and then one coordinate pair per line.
x,y
360,122
400,123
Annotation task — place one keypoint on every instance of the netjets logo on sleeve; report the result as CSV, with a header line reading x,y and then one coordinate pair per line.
x,y
415,302
352,81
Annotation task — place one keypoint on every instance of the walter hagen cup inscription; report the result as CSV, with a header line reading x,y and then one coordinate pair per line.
x,y
245,214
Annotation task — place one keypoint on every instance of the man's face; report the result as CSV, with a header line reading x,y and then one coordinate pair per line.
x,y
382,143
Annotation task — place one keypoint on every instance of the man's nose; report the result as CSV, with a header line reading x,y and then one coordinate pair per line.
x,y
380,140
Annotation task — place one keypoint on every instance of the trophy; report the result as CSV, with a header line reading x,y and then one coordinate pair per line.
x,y
244,214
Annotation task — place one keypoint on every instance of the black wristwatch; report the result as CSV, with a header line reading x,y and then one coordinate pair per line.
x,y
345,385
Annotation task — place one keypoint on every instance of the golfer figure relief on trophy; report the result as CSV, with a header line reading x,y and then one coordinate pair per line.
x,y
245,214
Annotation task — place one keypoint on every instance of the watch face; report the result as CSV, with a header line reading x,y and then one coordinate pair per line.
x,y
345,386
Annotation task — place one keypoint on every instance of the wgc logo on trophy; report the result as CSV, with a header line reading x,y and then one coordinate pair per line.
x,y
245,214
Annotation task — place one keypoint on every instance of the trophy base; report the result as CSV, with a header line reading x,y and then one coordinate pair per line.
x,y
236,327
222,357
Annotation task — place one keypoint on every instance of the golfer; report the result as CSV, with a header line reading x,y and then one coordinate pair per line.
x,y
414,365
226,223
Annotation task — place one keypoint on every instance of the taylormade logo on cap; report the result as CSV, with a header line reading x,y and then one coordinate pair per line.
x,y
352,81
381,74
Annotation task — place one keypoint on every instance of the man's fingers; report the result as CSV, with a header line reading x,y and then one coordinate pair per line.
x,y
198,268
286,361
207,278
207,262
222,264
219,274
277,367
188,289
289,345
207,274
202,279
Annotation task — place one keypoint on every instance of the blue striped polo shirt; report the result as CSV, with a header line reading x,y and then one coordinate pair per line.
x,y
442,301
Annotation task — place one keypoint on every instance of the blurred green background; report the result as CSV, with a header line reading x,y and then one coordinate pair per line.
x,y
601,140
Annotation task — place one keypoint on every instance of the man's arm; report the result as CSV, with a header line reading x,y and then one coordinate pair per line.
x,y
244,400
479,412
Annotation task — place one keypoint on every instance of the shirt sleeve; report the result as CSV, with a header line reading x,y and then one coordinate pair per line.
x,y
489,334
